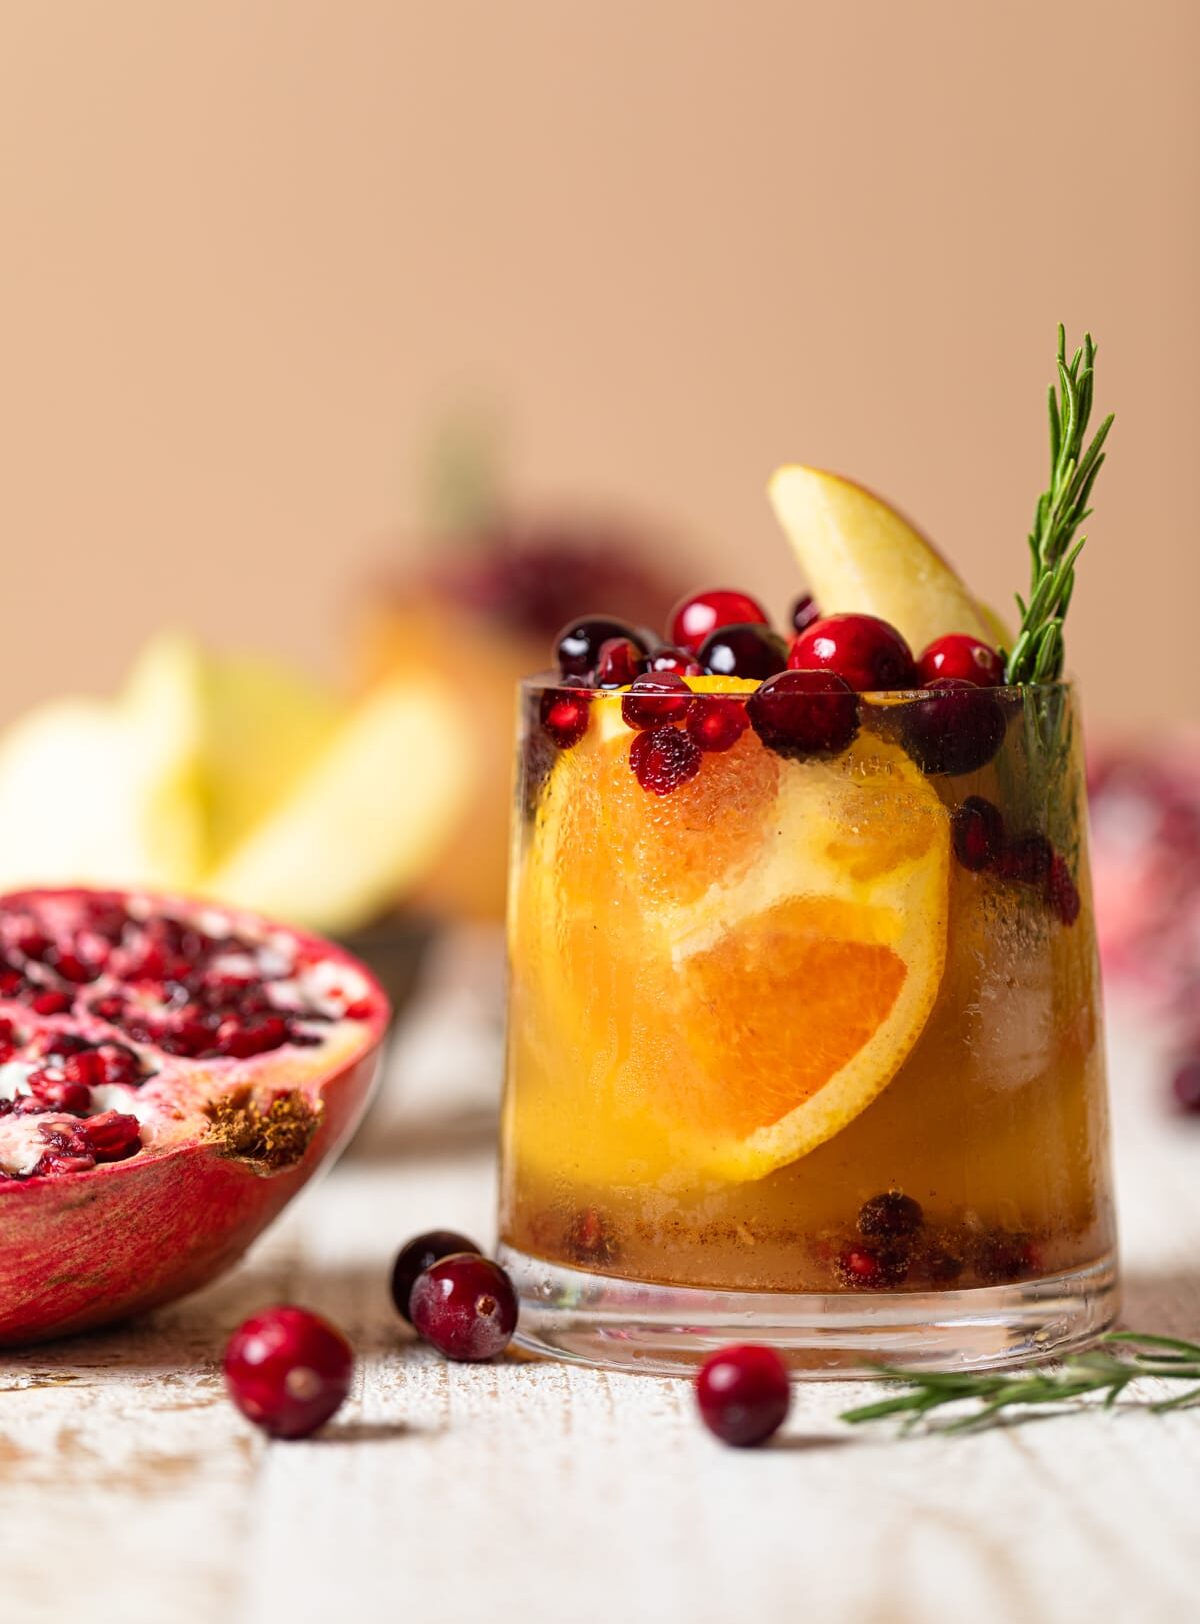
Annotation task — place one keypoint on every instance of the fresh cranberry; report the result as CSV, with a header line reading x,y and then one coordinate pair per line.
x,y
564,714
804,613
957,655
651,701
1001,1257
872,1268
804,713
958,729
1185,1084
578,646
864,651
1061,891
943,1268
419,1254
890,1214
465,1306
696,618
1027,860
716,723
744,1394
676,660
748,650
664,758
977,830
288,1371
621,660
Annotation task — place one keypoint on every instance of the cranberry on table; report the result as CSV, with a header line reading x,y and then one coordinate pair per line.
x,y
804,612
564,714
747,650
664,758
863,650
288,1370
977,832
465,1306
958,655
651,701
578,646
620,661
696,618
956,730
743,1394
717,723
804,713
419,1254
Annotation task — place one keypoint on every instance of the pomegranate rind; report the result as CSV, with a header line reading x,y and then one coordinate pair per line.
x,y
86,1249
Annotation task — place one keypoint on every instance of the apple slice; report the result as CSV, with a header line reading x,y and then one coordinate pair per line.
x,y
859,556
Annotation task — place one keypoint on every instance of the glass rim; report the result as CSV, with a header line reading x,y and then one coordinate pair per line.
x,y
549,681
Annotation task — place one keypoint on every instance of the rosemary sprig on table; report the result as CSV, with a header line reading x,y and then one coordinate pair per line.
x,y
1078,1376
1037,654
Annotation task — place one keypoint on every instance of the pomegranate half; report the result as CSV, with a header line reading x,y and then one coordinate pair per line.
x,y
171,1073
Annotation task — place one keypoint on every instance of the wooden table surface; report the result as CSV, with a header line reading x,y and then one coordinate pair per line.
x,y
130,1490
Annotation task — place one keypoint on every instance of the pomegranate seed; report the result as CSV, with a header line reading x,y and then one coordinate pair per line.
x,y
1061,891
1185,1084
752,651
110,1007
863,650
804,713
891,1214
958,655
111,1137
419,1254
677,660
58,1044
71,967
977,830
867,1268
465,1306
86,1068
663,759
11,982
564,715
361,1010
119,1066
239,1039
694,619
620,661
288,1371
655,700
33,945
716,723
1027,860
804,613
957,730
744,1394
50,1089
578,646
55,1162
50,1002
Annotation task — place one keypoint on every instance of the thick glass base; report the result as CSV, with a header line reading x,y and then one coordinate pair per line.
x,y
596,1319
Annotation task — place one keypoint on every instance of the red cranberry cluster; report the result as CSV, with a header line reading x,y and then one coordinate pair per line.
x,y
289,1370
981,843
806,704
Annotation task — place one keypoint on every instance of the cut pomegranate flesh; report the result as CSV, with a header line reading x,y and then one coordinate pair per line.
x,y
155,1116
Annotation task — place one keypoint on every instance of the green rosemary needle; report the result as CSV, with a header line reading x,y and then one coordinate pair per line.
x,y
1080,1375
1037,654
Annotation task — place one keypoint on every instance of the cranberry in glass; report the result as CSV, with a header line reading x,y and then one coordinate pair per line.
x,y
717,723
872,1268
651,701
696,618
958,655
676,660
619,662
891,1214
288,1370
664,758
804,612
804,713
744,1394
578,646
465,1306
1027,860
958,729
977,831
419,1254
748,650
564,713
864,651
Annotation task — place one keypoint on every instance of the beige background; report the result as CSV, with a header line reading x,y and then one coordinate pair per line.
x,y
252,251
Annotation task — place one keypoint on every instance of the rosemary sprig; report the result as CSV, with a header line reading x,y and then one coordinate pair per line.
x,y
1078,1376
1037,654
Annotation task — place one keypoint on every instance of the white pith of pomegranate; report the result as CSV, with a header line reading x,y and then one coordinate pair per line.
x,y
171,1073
